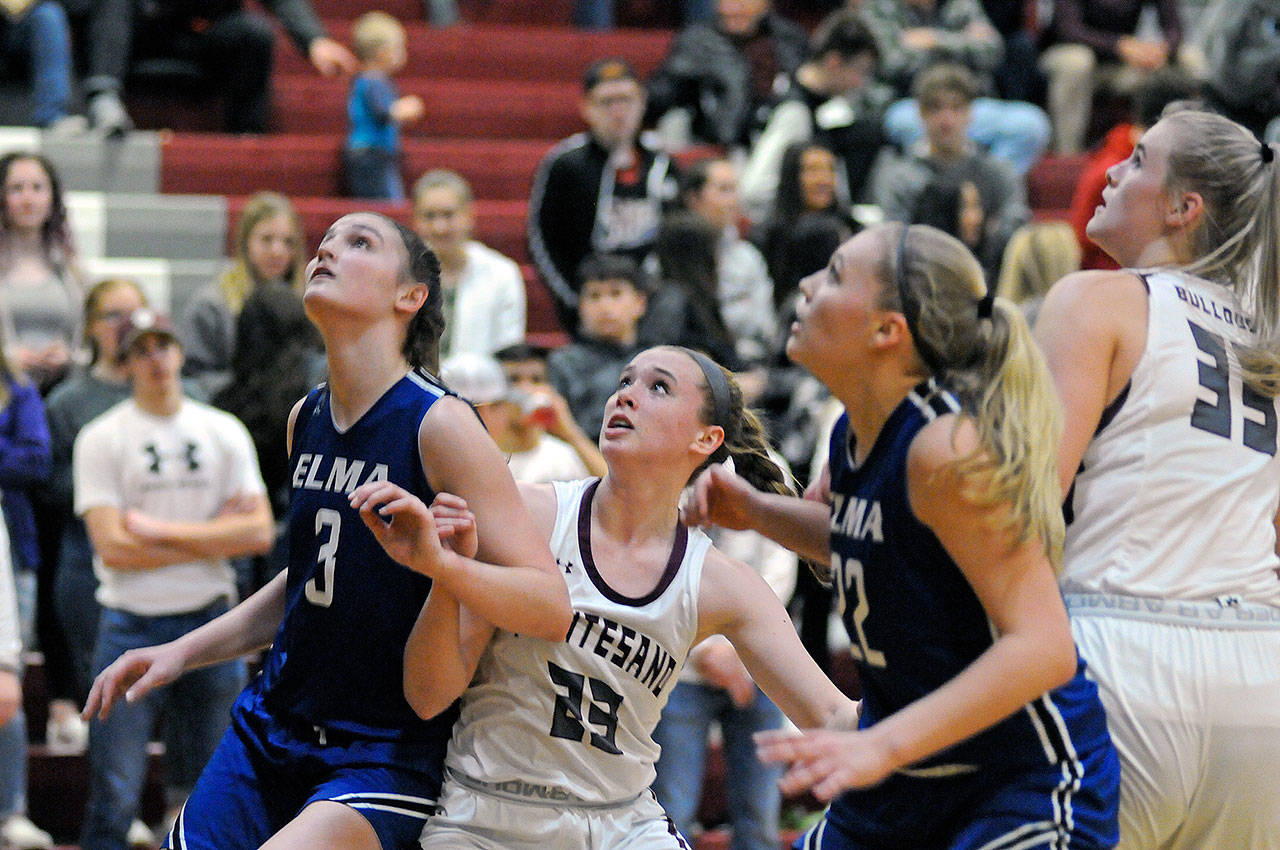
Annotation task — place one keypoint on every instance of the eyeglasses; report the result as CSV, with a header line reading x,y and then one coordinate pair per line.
x,y
113,315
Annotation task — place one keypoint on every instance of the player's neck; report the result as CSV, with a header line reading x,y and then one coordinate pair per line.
x,y
160,401
636,508
359,375
871,408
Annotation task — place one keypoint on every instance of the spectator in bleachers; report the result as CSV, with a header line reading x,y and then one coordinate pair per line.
x,y
599,14
517,418
270,248
684,302
24,462
1018,76
484,295
376,110
230,46
916,34
39,281
953,204
1149,99
612,300
720,79
277,359
544,411
1096,43
834,98
602,191
169,489
1242,49
709,188
807,183
83,396
946,95
36,35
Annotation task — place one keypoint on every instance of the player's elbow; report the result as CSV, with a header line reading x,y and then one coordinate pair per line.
x,y
1059,661
554,625
426,701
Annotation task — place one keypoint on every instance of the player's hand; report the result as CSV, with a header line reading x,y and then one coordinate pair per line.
x,y
919,38
133,675
402,524
455,524
718,497
10,696
718,663
331,58
824,761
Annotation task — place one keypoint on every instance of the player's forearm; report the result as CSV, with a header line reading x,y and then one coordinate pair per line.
x,y
128,553
246,628
442,654
801,525
522,599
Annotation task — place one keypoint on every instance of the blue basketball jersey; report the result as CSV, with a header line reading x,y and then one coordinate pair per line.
x,y
914,620
338,657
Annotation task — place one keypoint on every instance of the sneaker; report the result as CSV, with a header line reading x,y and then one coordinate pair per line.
x,y
66,736
20,833
140,835
108,115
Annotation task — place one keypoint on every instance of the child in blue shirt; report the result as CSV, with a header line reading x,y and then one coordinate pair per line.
x,y
375,109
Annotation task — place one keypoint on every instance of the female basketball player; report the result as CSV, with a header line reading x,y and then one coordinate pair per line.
x,y
1168,372
324,750
978,727
553,747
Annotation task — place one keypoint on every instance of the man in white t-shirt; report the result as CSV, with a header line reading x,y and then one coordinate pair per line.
x,y
169,490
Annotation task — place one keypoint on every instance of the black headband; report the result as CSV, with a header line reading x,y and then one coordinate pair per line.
x,y
718,384
1268,153
911,309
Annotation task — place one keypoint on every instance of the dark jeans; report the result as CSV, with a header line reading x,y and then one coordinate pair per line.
x,y
373,173
233,54
43,38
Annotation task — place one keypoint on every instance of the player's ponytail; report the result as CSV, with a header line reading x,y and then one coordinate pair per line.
x,y
745,440
422,338
980,348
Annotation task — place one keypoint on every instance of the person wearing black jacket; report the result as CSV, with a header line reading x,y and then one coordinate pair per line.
x,y
602,191
226,42
725,74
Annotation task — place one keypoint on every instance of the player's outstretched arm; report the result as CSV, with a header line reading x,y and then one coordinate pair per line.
x,y
735,601
512,582
1033,651
721,497
246,628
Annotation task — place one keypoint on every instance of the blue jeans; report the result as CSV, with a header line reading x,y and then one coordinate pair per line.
x,y
197,705
44,37
13,766
754,798
1011,130
74,585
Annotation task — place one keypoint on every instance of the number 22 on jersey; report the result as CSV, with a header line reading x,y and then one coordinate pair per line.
x,y
847,575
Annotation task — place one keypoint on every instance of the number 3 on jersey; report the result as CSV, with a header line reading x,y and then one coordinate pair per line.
x,y
319,589
1215,417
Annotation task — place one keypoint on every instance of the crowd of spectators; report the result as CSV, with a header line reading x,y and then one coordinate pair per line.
x,y
686,212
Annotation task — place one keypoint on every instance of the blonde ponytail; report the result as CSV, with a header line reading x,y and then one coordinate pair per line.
x,y
990,361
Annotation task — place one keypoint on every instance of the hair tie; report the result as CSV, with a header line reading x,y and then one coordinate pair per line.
x,y
718,384
985,303
1268,153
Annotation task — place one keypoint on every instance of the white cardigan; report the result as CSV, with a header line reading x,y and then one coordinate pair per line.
x,y
489,307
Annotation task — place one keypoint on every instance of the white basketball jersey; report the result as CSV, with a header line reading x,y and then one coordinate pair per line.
x,y
1178,490
572,721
